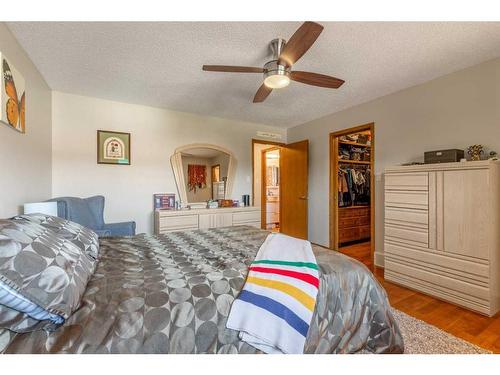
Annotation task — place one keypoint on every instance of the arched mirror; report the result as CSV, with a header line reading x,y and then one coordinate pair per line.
x,y
203,172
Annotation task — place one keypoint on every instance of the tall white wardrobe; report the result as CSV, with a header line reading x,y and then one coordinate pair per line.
x,y
442,231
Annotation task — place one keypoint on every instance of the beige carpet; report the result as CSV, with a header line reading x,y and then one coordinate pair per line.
x,y
422,338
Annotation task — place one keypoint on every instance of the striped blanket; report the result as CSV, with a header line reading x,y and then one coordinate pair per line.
x,y
275,307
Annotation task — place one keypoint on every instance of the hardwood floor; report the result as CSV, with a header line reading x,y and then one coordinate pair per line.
x,y
470,326
359,251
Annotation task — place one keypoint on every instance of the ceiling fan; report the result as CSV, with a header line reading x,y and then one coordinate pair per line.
x,y
277,72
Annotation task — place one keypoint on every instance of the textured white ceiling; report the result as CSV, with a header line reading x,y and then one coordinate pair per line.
x,y
159,63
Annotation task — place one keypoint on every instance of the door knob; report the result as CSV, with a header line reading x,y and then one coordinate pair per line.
x,y
303,198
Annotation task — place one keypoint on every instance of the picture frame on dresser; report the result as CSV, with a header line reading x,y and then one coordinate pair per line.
x,y
164,201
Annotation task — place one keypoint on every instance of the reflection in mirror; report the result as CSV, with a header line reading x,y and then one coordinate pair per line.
x,y
202,172
205,174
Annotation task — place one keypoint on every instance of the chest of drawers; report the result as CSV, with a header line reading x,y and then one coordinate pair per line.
x,y
442,231
354,223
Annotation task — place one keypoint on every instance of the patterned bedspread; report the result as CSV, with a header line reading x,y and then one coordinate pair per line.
x,y
172,294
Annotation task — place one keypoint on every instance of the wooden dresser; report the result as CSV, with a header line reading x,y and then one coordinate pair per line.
x,y
354,223
442,231
173,221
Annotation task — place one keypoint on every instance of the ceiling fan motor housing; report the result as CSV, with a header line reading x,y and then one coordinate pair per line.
x,y
276,75
273,68
276,46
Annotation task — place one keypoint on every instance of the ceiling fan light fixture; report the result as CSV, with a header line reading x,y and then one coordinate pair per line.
x,y
276,76
277,81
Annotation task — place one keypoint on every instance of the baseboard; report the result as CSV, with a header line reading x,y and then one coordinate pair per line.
x,y
379,259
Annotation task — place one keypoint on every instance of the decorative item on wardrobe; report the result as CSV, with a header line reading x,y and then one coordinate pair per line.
x,y
475,152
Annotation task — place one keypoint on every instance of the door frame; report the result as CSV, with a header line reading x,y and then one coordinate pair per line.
x,y
334,208
263,171
262,142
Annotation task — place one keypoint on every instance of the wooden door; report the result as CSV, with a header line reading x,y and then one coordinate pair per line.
x,y
293,192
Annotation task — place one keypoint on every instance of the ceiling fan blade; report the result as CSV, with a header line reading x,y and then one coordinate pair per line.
x,y
232,69
262,94
316,79
300,42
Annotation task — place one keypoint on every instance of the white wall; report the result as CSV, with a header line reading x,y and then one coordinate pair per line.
x,y
453,111
155,133
25,159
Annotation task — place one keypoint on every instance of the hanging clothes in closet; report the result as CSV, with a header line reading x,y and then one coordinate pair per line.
x,y
353,186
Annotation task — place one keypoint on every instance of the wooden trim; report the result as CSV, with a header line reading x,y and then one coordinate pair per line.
x,y
333,199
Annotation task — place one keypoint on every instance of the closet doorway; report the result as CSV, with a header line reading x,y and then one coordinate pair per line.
x,y
352,198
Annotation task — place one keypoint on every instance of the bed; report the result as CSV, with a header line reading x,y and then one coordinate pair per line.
x,y
172,294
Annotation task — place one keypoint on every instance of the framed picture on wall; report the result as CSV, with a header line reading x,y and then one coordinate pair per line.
x,y
113,147
12,96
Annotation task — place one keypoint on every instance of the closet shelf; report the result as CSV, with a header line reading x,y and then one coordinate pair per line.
x,y
353,161
354,144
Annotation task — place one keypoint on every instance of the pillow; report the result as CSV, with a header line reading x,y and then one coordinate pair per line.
x,y
21,315
83,237
43,268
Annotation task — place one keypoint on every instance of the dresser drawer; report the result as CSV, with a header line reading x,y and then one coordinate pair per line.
x,y
405,215
442,285
474,271
407,199
364,232
354,222
180,222
407,181
417,235
242,218
348,222
348,234
345,212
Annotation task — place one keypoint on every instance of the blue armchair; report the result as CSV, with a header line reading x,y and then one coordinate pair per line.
x,y
89,212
